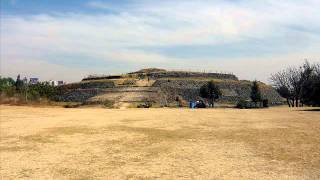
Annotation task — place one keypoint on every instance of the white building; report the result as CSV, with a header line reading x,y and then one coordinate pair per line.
x,y
56,83
34,81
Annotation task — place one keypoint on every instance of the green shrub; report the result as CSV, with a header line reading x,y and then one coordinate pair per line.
x,y
10,91
108,103
242,104
44,89
141,76
265,103
72,105
145,105
33,95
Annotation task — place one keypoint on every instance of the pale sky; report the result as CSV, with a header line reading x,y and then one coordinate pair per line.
x,y
68,40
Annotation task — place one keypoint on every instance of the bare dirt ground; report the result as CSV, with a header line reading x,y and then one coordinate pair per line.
x,y
92,143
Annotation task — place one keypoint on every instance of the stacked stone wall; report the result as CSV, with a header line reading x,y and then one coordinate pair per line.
x,y
78,95
88,85
177,74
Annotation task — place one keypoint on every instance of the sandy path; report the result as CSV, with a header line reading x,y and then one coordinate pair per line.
x,y
92,143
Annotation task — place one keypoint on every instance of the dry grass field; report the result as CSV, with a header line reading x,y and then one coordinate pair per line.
x,y
95,143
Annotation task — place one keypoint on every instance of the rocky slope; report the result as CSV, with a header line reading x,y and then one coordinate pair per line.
x,y
232,91
161,87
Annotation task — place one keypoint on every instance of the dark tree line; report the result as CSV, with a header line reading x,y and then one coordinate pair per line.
x,y
299,85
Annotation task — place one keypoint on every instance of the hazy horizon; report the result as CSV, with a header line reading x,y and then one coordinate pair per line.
x,y
68,40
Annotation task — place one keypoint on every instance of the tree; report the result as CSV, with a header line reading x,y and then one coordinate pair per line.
x,y
6,83
19,84
255,93
284,92
288,82
298,85
282,84
211,92
310,89
7,86
307,71
295,80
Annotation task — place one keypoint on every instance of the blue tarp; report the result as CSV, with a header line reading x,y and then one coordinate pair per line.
x,y
192,104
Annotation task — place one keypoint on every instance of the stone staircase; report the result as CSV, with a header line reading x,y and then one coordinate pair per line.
x,y
129,95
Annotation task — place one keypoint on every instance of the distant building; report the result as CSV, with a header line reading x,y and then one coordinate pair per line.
x,y
60,83
34,81
56,83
